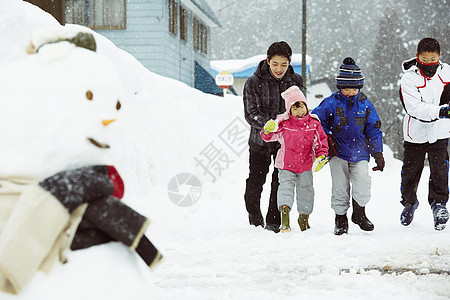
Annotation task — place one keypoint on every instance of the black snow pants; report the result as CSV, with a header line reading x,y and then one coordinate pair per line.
x,y
259,163
413,163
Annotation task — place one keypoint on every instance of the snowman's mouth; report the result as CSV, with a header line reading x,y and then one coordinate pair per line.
x,y
98,144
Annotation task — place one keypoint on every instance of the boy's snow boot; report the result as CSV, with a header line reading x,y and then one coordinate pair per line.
x,y
285,227
440,214
408,213
341,224
359,217
303,222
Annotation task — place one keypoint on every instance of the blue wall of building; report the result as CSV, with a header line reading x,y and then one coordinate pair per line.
x,y
147,38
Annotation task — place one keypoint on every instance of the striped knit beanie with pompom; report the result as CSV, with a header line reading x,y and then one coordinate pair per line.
x,y
350,76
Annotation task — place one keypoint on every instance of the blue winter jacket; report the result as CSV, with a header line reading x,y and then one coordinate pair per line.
x,y
353,124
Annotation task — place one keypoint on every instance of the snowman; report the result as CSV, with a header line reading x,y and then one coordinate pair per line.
x,y
58,186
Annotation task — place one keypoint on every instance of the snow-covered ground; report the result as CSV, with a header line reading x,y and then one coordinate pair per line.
x,y
167,128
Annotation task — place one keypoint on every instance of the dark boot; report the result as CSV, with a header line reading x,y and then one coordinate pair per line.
x,y
341,224
440,214
256,220
407,215
273,227
359,217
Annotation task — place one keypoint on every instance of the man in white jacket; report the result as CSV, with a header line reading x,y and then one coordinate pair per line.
x,y
425,95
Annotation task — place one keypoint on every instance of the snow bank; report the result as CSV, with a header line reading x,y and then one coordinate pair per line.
x,y
167,128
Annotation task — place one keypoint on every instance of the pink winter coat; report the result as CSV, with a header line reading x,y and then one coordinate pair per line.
x,y
302,140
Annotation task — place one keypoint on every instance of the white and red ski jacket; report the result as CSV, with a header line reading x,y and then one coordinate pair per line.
x,y
420,97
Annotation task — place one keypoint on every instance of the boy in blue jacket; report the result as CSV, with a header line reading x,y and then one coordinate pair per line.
x,y
354,133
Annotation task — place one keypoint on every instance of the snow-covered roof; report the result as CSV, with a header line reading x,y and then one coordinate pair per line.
x,y
201,8
316,93
243,68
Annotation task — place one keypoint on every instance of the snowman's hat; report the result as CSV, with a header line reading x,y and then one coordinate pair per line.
x,y
58,34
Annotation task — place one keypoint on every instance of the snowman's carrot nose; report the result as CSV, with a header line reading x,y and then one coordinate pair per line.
x,y
107,122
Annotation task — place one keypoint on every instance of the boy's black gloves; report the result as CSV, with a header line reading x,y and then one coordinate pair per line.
x,y
379,160
332,146
444,112
445,96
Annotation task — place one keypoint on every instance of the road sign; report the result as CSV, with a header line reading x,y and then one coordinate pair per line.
x,y
224,80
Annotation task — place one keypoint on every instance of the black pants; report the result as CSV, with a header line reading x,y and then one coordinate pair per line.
x,y
413,162
259,163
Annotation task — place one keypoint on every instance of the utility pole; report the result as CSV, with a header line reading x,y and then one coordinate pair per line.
x,y
304,43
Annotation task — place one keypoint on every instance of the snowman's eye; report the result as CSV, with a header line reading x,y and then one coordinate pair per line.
x,y
89,95
118,105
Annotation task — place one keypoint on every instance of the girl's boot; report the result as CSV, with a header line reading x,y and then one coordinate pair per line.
x,y
303,222
285,219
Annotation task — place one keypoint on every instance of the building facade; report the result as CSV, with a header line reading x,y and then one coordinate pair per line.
x,y
169,37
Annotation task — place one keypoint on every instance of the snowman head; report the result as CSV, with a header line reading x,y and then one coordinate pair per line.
x,y
58,110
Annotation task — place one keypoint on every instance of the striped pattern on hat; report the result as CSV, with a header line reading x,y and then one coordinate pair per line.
x,y
350,76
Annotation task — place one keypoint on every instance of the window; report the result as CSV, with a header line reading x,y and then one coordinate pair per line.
x,y
96,14
173,17
196,34
204,38
183,24
200,33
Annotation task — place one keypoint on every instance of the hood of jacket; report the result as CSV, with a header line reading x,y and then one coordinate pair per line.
x,y
409,64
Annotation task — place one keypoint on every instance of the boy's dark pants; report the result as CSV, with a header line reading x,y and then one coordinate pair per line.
x,y
413,162
259,163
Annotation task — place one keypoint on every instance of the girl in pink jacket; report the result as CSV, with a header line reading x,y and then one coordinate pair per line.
x,y
303,144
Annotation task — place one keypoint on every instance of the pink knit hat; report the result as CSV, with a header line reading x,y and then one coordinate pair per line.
x,y
292,95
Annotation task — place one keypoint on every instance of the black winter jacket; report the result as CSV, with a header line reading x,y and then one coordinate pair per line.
x,y
263,101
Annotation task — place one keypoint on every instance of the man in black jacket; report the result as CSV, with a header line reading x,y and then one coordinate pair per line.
x,y
262,102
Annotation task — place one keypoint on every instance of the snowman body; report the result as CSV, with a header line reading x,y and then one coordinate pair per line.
x,y
56,111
